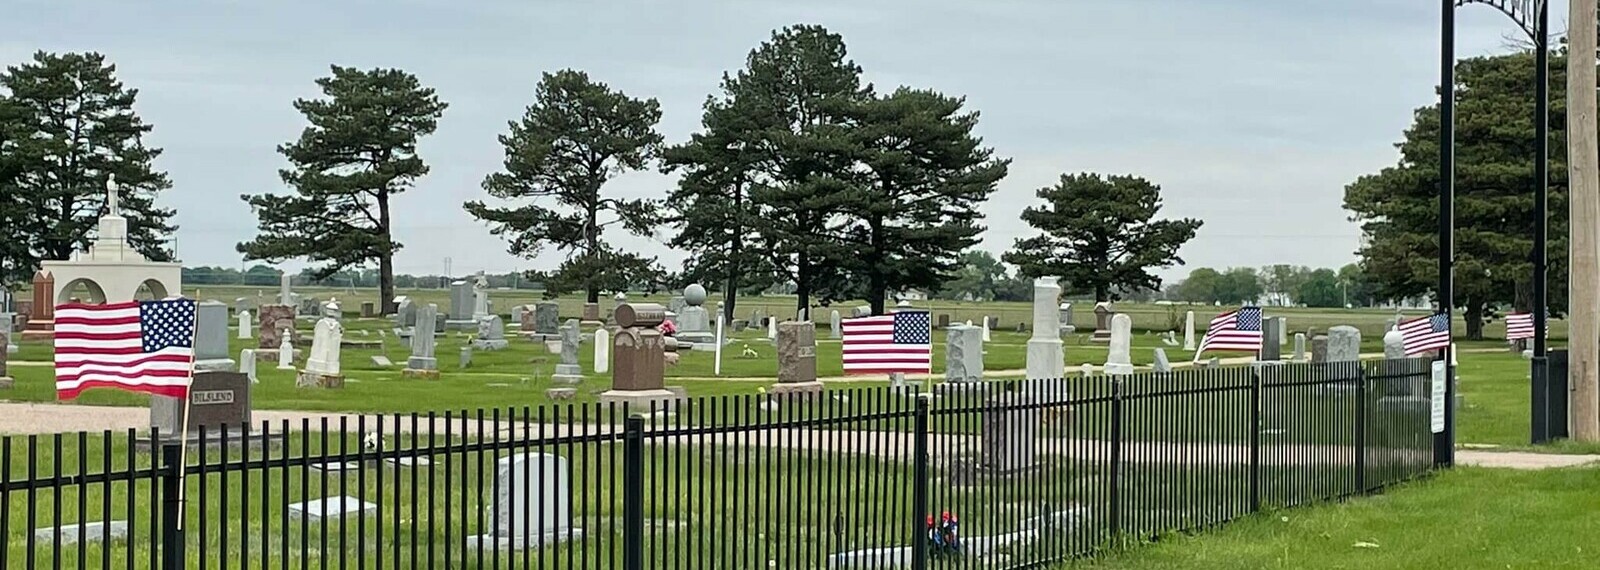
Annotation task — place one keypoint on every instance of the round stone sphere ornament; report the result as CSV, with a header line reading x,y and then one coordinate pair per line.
x,y
694,295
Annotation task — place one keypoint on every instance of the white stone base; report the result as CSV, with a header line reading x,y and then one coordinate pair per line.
x,y
490,344
91,532
331,508
535,540
1118,368
216,364
312,379
6,383
640,400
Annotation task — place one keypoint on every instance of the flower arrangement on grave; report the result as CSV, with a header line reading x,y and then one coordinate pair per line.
x,y
943,539
667,328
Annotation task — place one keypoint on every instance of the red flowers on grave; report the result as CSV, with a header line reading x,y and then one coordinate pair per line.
x,y
943,540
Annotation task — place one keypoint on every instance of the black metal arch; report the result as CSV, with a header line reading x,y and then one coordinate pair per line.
x,y
1524,12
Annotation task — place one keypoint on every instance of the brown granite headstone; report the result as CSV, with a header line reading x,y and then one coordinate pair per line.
x,y
369,309
273,320
591,311
42,316
797,352
639,358
217,400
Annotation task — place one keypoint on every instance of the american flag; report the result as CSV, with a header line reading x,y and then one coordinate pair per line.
x,y
1519,326
901,342
139,346
1237,330
1423,334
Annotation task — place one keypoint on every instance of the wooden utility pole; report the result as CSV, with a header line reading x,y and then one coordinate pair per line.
x,y
1584,173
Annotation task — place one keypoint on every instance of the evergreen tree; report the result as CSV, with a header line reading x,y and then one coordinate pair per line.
x,y
711,207
799,92
69,126
358,153
1100,234
1494,214
923,176
576,136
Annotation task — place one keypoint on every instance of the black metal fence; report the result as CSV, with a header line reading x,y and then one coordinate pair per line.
x,y
1026,472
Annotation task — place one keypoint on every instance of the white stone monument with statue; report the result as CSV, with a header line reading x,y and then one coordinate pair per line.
x,y
111,270
322,364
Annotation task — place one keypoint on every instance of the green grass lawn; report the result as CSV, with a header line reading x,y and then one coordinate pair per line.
x,y
1463,518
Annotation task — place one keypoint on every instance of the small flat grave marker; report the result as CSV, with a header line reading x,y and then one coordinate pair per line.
x,y
91,532
382,361
332,508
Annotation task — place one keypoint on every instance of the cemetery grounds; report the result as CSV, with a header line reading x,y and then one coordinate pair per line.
x,y
511,382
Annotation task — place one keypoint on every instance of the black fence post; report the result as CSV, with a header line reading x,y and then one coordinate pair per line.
x,y
172,506
919,487
1114,493
633,493
1255,439
1361,425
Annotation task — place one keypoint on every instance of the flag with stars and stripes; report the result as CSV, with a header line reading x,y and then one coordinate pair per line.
x,y
1519,326
1423,334
139,346
1236,331
884,344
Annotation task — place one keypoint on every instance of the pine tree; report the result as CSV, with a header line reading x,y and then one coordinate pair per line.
x,y
577,135
1494,180
922,178
358,153
71,127
798,91
1100,234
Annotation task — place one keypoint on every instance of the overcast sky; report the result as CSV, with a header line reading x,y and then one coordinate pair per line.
x,y
1251,114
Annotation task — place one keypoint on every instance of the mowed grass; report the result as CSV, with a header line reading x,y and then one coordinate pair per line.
x,y
1462,518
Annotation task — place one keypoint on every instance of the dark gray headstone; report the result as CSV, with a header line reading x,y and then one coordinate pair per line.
x,y
217,400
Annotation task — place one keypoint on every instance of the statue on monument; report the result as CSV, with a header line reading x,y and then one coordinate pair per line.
x,y
113,208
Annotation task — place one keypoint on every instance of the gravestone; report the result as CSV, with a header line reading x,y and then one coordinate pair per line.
x,y
1087,369
532,505
211,337
985,330
862,311
91,532
772,329
676,304
464,360
694,323
405,312
1010,436
1394,344
285,353
491,333
1299,347
219,401
547,318
963,354
309,307
602,351
1283,330
591,312
382,361
480,297
322,363
943,321
568,371
638,376
245,330
833,325
422,363
1066,319
1119,359
1270,350
6,382
526,323
1023,327
1319,348
42,315
1409,391
519,317
1344,344
1188,331
330,508
1161,362
247,364
271,322
797,359
242,304
1102,322
285,295
1046,357
461,301
369,309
